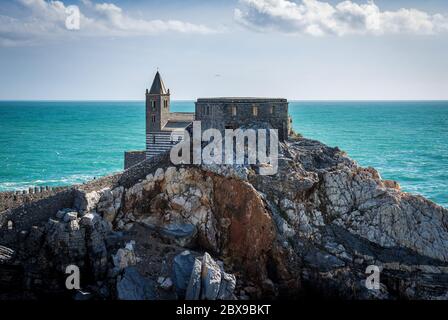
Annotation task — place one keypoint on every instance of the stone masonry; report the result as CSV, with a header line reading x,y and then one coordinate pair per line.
x,y
165,128
232,113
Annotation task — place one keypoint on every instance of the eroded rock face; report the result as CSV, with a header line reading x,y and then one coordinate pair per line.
x,y
131,285
125,257
320,221
360,203
315,226
109,203
177,202
227,215
207,279
248,233
348,218
66,239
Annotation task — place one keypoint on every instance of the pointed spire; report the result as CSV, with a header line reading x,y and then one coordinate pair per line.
x,y
157,85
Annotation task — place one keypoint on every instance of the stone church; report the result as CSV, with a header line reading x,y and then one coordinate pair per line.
x,y
165,128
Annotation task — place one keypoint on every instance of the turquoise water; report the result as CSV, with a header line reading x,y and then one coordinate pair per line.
x,y
58,143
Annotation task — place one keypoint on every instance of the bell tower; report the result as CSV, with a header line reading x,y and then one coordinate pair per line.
x,y
157,105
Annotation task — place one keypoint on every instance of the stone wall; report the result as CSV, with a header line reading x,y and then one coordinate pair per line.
x,y
131,158
27,210
14,199
100,183
217,113
32,214
132,175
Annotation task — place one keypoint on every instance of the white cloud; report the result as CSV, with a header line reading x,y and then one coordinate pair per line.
x,y
317,18
46,20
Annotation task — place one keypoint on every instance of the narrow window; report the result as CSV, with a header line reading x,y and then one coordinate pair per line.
x,y
153,139
153,105
153,118
165,103
233,111
272,110
255,111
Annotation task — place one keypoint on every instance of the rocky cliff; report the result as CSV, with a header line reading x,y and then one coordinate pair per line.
x,y
207,232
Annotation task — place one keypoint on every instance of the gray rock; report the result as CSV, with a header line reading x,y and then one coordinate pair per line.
x,y
323,261
110,203
61,213
88,219
73,225
70,216
183,234
5,254
182,267
194,285
166,283
86,201
210,278
227,287
124,257
132,286
202,278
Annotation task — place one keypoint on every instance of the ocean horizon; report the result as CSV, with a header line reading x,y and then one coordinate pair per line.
x,y
63,142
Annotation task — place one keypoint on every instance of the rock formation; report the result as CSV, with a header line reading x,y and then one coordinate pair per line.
x,y
205,232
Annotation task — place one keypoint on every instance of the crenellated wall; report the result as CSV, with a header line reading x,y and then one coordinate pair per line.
x,y
14,199
32,213
21,211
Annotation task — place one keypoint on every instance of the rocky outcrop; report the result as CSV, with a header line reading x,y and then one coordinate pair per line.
x,y
202,278
349,218
132,286
313,228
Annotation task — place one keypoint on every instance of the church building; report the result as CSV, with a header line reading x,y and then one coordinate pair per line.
x,y
165,128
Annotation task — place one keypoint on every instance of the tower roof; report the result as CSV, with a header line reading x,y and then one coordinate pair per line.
x,y
158,87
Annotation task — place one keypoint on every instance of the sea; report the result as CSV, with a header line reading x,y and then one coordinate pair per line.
x,y
53,143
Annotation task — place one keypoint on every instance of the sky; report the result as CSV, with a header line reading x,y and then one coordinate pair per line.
x,y
299,50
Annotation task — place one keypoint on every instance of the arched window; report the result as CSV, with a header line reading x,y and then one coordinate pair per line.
x,y
233,110
154,118
153,105
254,111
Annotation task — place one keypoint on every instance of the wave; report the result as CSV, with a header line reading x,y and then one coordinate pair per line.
x,y
24,185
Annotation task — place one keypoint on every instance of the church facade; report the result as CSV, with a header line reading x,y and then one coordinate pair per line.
x,y
165,128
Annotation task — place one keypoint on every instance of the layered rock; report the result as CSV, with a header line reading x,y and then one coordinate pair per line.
x,y
349,218
202,278
313,228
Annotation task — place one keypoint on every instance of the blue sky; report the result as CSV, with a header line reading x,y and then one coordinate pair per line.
x,y
295,49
